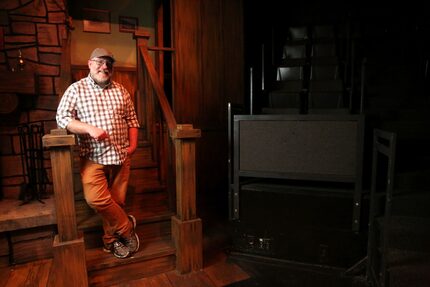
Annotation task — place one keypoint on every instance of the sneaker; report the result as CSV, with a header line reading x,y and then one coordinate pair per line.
x,y
132,243
117,248
133,220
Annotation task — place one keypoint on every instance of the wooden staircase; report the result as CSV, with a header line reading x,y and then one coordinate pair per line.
x,y
161,196
156,255
148,201
398,249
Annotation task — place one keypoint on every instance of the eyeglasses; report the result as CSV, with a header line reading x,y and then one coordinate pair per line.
x,y
100,63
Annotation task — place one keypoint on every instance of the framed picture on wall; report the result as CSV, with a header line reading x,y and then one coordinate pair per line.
x,y
96,20
127,24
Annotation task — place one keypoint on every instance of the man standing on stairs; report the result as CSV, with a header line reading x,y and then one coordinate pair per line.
x,y
101,113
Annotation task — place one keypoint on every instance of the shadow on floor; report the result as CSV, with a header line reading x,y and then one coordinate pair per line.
x,y
271,273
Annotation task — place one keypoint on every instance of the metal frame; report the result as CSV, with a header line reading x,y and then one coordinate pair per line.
x,y
384,143
232,109
355,179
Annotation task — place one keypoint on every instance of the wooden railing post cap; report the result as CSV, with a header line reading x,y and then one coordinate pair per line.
x,y
58,132
186,131
141,34
58,137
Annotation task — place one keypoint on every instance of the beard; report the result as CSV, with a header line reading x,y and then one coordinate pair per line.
x,y
101,77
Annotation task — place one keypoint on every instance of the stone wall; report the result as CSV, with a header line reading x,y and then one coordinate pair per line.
x,y
34,32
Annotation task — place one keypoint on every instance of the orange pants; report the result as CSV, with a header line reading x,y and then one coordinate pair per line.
x,y
105,189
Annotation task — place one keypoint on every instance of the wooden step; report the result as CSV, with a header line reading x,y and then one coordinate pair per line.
x,y
146,207
15,215
146,231
156,255
143,157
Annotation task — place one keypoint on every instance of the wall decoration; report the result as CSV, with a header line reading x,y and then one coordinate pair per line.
x,y
128,24
96,20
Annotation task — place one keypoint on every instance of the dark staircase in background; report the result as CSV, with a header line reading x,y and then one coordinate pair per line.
x,y
311,73
399,233
314,74
309,224
397,100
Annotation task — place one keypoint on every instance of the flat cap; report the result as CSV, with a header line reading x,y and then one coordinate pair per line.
x,y
101,52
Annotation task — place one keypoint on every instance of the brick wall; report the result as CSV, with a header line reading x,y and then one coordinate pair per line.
x,y
36,31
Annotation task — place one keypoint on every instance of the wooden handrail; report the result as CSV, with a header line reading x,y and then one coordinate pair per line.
x,y
162,99
186,227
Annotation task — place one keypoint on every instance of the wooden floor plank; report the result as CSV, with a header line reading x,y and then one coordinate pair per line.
x,y
4,275
33,278
225,273
43,274
131,271
195,279
220,273
18,275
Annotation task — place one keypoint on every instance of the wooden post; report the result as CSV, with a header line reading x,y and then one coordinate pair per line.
x,y
69,265
186,227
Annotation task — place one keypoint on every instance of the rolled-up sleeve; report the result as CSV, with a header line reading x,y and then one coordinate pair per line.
x,y
66,108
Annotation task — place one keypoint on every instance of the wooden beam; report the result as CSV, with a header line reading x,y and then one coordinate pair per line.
x,y
187,236
62,171
69,267
185,150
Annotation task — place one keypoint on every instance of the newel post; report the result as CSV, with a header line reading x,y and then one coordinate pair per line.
x,y
69,265
186,227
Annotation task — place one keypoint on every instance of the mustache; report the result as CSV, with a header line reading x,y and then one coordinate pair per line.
x,y
105,71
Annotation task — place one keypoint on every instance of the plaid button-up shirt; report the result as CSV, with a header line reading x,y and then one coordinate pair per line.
x,y
109,108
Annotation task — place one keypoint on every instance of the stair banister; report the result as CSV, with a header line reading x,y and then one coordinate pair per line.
x,y
186,226
69,265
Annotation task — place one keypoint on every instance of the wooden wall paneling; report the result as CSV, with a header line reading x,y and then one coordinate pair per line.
x,y
208,72
79,72
32,244
126,77
233,48
4,253
186,30
210,106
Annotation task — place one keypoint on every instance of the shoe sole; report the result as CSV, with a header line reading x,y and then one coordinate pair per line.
x,y
120,257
